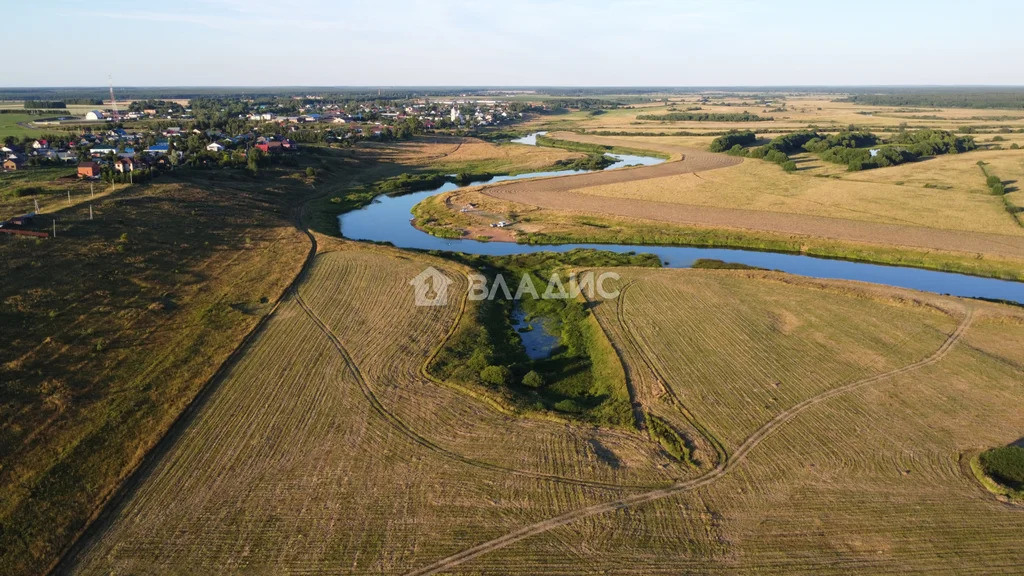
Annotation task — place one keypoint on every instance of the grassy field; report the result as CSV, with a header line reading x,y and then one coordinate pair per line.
x,y
112,327
325,446
168,278
801,111
866,477
781,424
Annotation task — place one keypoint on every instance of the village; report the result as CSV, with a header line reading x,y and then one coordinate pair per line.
x,y
118,146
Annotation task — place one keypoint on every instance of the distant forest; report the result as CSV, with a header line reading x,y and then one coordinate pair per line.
x,y
945,98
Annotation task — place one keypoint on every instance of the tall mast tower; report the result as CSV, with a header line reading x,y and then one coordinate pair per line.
x,y
113,102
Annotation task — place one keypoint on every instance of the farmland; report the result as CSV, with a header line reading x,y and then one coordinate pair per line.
x,y
206,378
162,285
935,213
327,432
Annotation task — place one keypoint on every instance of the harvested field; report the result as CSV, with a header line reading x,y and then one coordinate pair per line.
x,y
325,448
316,417
863,478
444,154
622,193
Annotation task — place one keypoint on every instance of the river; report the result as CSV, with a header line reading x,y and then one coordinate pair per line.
x,y
388,219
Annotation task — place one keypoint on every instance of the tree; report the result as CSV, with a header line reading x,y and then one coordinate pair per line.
x,y
496,375
533,380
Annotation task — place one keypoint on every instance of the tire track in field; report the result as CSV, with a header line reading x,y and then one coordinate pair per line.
x,y
634,342
417,438
720,470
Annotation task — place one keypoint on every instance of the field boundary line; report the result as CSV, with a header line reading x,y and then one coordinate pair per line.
x,y
723,467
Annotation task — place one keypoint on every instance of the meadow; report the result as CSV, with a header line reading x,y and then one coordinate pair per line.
x,y
812,407
218,383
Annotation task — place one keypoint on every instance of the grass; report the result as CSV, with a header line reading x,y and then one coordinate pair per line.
x,y
868,196
325,446
590,148
168,278
387,440
582,379
390,444
1005,465
551,228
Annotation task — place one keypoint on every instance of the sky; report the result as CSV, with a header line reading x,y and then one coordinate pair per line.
x,y
512,43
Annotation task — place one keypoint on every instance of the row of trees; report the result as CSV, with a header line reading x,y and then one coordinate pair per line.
x,y
728,141
850,147
705,117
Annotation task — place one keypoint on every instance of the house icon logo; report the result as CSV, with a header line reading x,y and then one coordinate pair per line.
x,y
430,287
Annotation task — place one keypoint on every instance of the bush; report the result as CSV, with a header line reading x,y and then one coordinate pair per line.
x,y
310,172
533,379
1014,146
992,181
496,375
673,442
731,140
26,191
1005,465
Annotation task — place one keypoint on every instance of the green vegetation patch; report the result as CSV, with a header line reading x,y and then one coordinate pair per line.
x,y
671,440
706,117
581,379
713,264
595,148
1005,465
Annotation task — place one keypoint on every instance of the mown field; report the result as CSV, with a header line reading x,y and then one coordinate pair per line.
x,y
327,448
799,111
852,463
117,324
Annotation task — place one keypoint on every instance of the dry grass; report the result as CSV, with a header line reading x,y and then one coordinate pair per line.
x,y
894,195
444,154
866,482
801,112
326,449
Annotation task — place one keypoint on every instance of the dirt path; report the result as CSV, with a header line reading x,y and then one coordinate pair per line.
x,y
723,467
562,194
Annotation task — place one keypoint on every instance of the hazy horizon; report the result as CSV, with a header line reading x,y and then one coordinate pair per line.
x,y
536,43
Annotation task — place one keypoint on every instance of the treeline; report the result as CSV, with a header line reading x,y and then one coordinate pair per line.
x,y
852,148
582,103
733,139
980,98
160,106
706,117
994,183
44,104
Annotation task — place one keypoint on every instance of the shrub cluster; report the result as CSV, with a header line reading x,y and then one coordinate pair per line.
x,y
706,117
1005,465
727,142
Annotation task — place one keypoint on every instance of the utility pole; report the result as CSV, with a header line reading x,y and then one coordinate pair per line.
x,y
90,211
54,227
37,205
69,197
91,191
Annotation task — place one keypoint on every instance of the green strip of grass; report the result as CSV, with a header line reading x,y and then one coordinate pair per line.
x,y
614,232
597,148
672,441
